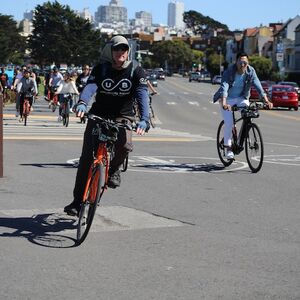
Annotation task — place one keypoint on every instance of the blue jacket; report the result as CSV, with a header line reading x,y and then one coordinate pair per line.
x,y
228,81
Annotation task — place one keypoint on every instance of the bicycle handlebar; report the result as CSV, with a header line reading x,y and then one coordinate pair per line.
x,y
109,122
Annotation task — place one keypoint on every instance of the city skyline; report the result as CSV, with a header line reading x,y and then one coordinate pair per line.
x,y
233,15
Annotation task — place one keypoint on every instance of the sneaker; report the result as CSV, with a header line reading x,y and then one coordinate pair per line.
x,y
59,119
17,114
72,209
229,154
21,119
114,179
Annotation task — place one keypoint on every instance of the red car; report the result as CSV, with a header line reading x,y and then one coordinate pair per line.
x,y
266,86
284,96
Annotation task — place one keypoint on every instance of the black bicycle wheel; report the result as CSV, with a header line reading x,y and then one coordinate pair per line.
x,y
63,119
25,119
125,164
67,114
67,120
89,206
152,117
53,107
254,148
220,146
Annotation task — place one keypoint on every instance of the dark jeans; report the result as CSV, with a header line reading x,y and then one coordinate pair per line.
x,y
123,147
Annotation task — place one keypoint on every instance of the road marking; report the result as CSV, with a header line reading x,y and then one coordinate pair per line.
x,y
288,160
194,103
171,103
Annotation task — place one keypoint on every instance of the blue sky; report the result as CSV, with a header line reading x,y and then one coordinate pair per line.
x,y
236,14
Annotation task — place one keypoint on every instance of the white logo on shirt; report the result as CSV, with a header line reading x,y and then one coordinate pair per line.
x,y
124,85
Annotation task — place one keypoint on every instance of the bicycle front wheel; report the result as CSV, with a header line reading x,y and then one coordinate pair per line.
x,y
254,148
92,196
152,117
220,146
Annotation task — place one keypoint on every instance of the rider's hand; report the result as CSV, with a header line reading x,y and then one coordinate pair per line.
x,y
226,107
80,110
142,127
269,104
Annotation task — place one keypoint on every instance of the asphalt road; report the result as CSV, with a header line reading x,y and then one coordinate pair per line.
x,y
180,227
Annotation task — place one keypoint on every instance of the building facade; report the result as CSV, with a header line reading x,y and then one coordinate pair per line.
x,y
175,14
112,13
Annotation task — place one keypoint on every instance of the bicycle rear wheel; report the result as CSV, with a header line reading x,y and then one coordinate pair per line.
x,y
254,148
220,146
94,191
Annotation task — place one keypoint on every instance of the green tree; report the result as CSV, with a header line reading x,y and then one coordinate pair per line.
x,y
172,54
12,44
61,36
201,24
214,62
262,66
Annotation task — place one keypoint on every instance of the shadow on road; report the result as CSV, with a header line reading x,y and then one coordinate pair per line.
x,y
41,229
186,167
48,165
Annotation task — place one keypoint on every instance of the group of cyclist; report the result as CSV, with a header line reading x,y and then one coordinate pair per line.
x,y
116,81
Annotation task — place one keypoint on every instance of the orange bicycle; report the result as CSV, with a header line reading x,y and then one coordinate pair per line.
x,y
27,102
105,135
53,99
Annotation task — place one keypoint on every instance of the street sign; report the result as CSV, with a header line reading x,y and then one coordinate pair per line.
x,y
279,56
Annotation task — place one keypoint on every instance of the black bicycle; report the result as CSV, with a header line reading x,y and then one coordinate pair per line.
x,y
248,137
64,109
151,111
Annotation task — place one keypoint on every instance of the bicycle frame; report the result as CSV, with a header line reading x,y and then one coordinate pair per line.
x,y
102,157
238,138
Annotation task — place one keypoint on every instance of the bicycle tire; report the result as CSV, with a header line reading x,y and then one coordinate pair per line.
x,y
220,146
152,117
67,114
53,107
254,148
125,164
93,194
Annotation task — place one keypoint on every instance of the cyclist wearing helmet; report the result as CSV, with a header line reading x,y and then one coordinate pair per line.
x,y
116,82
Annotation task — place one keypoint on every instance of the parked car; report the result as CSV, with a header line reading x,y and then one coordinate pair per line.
x,y
267,85
216,79
194,76
294,84
284,96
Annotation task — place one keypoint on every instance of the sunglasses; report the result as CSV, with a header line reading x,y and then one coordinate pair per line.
x,y
120,48
243,63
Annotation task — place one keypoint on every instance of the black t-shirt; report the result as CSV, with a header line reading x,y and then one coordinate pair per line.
x,y
116,89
